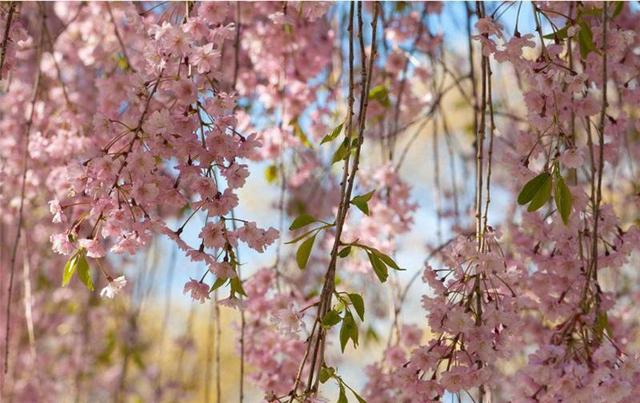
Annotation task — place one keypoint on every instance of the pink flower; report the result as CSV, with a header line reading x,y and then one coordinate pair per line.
x,y
488,26
213,12
213,235
61,244
410,335
257,238
396,356
93,246
185,91
455,379
222,270
56,210
572,158
236,175
458,320
232,302
114,287
205,58
199,291
287,320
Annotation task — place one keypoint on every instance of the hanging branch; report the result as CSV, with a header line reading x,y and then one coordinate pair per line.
x,y
25,157
317,339
5,37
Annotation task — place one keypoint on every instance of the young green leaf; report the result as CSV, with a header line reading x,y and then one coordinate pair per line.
x,y
299,133
345,252
342,151
380,93
304,250
602,324
122,62
331,318
348,331
619,5
358,304
589,12
585,40
563,199
271,173
560,34
306,234
342,396
236,286
378,267
532,187
360,398
69,268
362,201
386,259
84,272
542,195
326,373
333,135
218,283
301,221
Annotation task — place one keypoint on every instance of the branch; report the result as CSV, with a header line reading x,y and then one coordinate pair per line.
x,y
5,38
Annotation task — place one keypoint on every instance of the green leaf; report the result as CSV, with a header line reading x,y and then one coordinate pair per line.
x,y
306,234
358,304
560,34
301,221
386,259
618,9
217,284
589,11
122,62
360,399
326,373
371,335
342,397
271,173
299,133
333,135
602,324
380,93
362,201
342,151
331,318
83,271
542,195
532,187
69,269
348,331
563,199
585,39
236,286
378,267
345,252
304,250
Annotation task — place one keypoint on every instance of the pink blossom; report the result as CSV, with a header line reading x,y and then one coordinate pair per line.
x,y
93,247
56,210
114,287
61,244
236,175
199,291
255,237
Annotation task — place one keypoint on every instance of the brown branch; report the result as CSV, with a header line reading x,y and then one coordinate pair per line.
x,y
5,38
